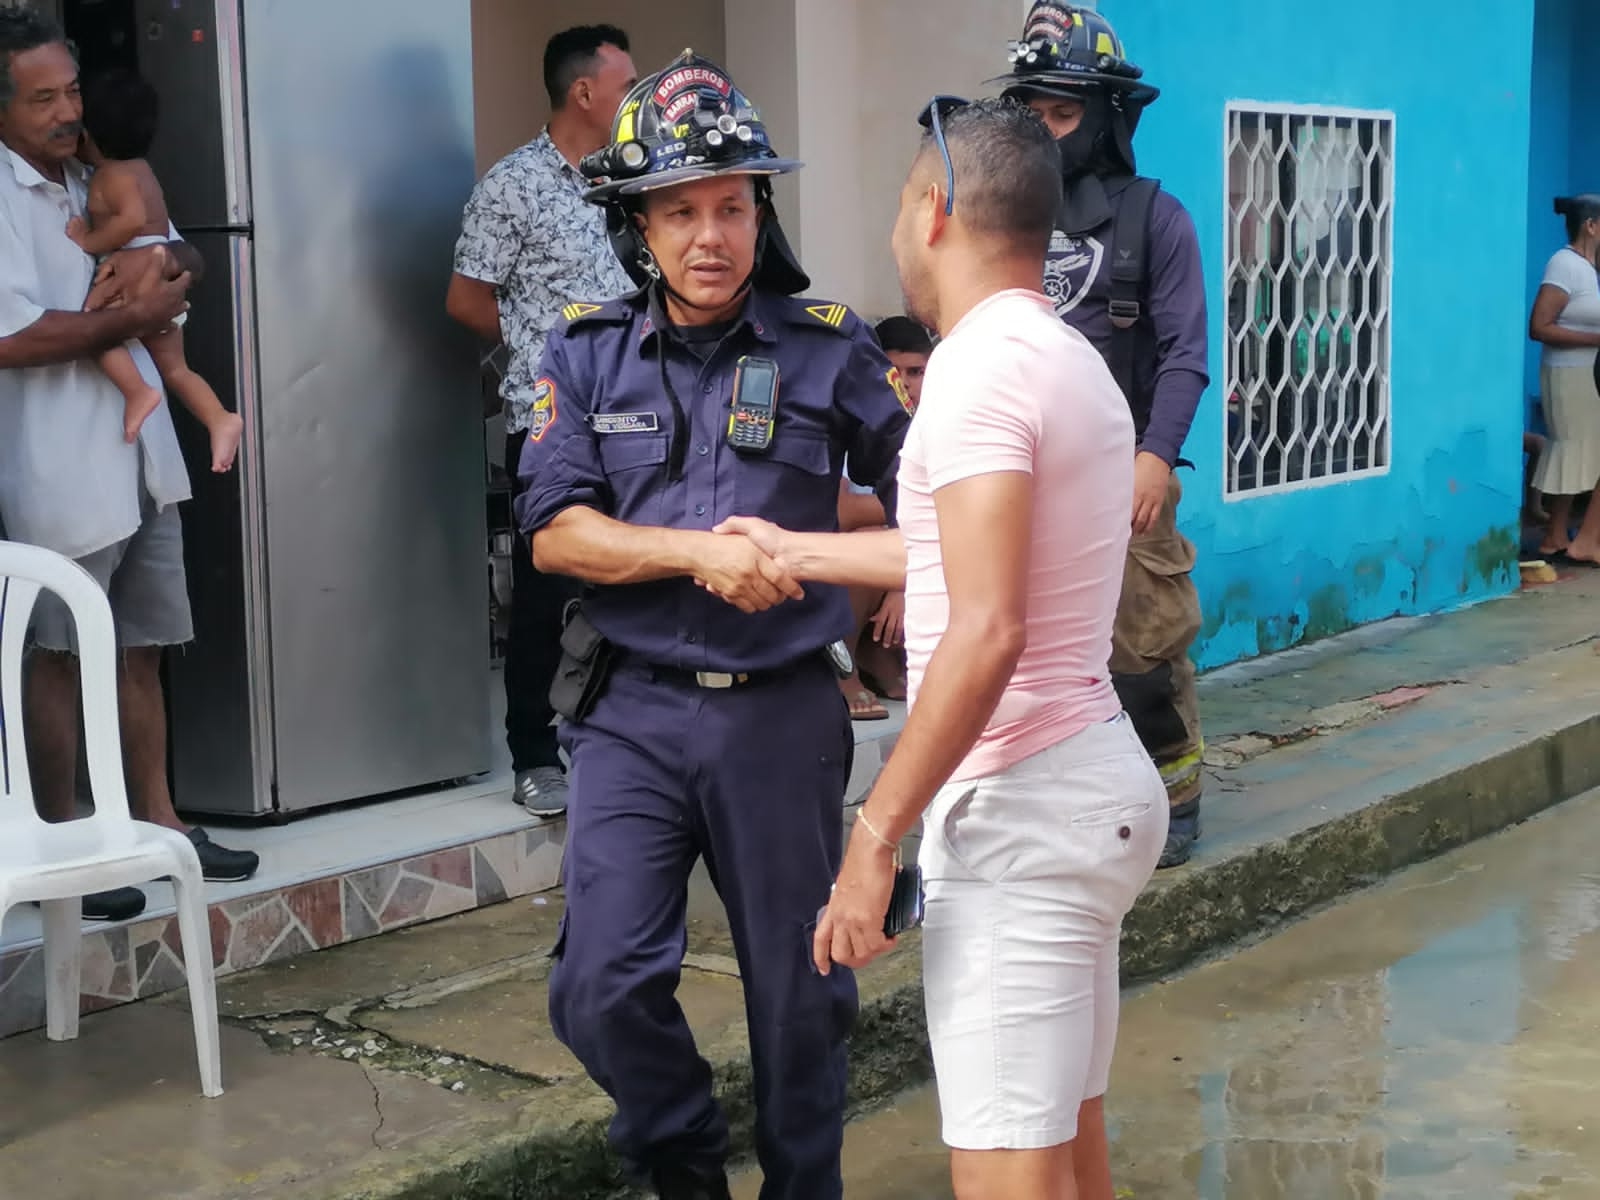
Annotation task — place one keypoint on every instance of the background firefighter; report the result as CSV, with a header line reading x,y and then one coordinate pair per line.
x,y
1124,269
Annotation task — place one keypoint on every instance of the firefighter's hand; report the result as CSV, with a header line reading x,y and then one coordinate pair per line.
x,y
740,572
1150,478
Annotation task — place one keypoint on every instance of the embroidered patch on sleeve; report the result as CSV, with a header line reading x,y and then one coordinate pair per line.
x,y
900,392
542,415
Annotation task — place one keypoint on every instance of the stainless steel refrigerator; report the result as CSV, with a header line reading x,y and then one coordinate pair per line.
x,y
317,153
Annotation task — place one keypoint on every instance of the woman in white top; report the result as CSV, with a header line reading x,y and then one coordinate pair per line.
x,y
1566,321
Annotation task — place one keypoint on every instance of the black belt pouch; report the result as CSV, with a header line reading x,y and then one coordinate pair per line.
x,y
586,662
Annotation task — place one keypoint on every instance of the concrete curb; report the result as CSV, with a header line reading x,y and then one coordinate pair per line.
x,y
1185,916
1259,888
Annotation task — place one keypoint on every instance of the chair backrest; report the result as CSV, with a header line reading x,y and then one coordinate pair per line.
x,y
24,572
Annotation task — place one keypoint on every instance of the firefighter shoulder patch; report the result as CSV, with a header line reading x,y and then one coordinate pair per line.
x,y
810,313
543,413
831,315
900,392
581,312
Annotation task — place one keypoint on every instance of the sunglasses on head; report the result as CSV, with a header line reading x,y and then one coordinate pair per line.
x,y
932,118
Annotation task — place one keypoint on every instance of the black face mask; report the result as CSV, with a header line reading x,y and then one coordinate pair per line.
x,y
1083,150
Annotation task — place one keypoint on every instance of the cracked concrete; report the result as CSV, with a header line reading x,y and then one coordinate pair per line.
x,y
1242,748
448,1083
120,1109
377,1108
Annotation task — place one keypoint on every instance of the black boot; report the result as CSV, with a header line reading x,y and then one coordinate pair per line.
x,y
1183,830
678,1183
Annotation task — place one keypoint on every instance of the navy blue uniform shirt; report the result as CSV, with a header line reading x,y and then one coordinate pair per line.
x,y
599,439
1077,277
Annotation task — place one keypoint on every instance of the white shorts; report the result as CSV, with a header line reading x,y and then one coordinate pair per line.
x,y
1029,874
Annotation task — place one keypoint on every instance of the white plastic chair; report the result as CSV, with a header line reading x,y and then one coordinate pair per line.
x,y
57,864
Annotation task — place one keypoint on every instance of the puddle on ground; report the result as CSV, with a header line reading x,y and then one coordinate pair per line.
x,y
1438,1036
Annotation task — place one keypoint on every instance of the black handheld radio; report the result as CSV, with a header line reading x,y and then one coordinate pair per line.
x,y
755,404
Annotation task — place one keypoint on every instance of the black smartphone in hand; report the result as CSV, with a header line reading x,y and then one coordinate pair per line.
x,y
905,909
905,902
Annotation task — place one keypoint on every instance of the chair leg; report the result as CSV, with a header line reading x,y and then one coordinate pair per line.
x,y
194,927
63,945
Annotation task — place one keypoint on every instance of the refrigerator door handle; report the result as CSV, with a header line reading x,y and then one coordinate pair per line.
x,y
253,521
230,92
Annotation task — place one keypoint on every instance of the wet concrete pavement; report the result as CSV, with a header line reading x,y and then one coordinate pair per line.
x,y
1438,1036
420,1066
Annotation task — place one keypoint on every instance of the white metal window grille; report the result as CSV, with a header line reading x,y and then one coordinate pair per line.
x,y
1310,204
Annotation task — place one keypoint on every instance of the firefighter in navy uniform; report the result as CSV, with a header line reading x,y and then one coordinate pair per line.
x,y
699,726
1124,270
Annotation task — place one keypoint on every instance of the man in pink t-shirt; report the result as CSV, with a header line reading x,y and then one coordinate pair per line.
x,y
1043,816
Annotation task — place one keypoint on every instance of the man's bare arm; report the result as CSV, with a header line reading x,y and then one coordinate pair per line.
x,y
58,337
472,302
985,530
586,544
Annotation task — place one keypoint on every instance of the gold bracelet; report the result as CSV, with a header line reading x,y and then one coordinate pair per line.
x,y
861,815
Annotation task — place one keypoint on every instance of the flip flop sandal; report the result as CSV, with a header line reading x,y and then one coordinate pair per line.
x,y
1577,564
877,685
864,706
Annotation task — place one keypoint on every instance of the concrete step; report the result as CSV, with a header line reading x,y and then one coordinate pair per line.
x,y
329,879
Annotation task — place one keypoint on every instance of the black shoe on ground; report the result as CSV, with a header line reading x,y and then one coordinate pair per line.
x,y
680,1184
218,864
1183,830
119,904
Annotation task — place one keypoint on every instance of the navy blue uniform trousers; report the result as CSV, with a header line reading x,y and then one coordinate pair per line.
x,y
753,779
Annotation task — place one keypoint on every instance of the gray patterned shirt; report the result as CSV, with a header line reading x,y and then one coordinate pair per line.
x,y
528,231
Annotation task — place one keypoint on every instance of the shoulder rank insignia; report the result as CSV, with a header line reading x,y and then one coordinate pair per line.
x,y
832,315
616,311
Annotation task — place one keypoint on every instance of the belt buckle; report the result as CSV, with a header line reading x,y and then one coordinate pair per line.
x,y
714,679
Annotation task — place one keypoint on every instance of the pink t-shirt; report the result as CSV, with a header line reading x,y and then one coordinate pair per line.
x,y
1012,388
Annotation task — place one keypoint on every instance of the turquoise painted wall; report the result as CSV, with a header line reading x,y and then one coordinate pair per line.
x,y
1440,529
1585,145
1554,124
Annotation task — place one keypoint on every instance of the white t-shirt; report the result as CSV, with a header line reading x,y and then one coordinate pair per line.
x,y
1013,388
68,480
1574,275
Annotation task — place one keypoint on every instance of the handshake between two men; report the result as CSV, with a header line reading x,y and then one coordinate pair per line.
x,y
755,565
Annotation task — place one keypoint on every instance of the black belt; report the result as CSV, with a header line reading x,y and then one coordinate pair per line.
x,y
716,680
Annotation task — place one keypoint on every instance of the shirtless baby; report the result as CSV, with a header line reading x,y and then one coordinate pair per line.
x,y
127,210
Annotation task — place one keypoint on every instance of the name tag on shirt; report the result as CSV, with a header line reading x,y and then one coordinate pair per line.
x,y
640,422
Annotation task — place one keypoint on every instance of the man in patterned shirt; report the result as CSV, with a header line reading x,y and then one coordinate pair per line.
x,y
530,245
